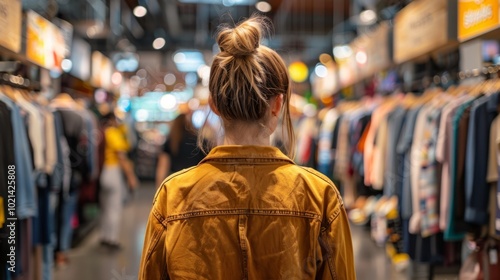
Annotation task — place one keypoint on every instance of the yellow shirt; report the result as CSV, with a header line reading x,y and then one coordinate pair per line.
x,y
116,142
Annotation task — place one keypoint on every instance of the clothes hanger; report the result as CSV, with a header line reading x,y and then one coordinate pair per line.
x,y
7,90
408,101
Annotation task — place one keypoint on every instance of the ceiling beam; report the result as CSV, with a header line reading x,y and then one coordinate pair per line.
x,y
172,16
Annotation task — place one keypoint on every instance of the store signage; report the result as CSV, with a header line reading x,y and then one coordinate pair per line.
x,y
80,56
10,24
476,17
102,69
421,28
369,54
371,51
45,43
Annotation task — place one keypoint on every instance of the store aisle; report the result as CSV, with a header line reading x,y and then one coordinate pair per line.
x,y
91,262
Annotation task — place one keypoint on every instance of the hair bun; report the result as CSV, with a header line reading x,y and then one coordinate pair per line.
x,y
242,40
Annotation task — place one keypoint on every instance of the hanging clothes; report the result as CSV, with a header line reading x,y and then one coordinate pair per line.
x,y
392,177
26,202
325,139
483,111
455,229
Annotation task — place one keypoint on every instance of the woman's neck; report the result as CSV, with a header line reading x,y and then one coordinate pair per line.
x,y
253,135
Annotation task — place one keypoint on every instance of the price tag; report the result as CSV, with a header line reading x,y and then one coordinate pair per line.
x,y
493,256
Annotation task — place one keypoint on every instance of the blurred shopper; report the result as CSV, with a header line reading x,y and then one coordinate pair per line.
x,y
113,186
247,211
180,150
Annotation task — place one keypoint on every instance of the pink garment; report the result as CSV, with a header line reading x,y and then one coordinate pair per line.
x,y
443,156
370,150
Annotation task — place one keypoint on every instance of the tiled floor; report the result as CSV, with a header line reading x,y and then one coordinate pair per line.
x,y
90,262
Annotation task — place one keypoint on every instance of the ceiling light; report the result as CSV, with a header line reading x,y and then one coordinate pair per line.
x,y
100,96
158,43
140,11
263,6
179,57
66,65
325,58
92,31
135,81
342,51
361,57
320,70
141,115
142,73
116,78
368,17
161,88
226,3
169,79
168,102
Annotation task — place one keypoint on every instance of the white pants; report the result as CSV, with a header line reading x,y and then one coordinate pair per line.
x,y
111,198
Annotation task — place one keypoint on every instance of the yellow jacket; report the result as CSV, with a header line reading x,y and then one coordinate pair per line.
x,y
247,212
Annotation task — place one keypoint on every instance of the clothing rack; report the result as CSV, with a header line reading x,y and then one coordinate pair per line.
x,y
18,81
487,72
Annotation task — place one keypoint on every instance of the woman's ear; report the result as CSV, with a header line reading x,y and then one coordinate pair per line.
x,y
276,104
212,106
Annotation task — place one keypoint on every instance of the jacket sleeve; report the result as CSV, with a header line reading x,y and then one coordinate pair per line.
x,y
154,261
337,260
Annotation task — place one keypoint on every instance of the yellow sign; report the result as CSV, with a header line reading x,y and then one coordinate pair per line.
x,y
10,24
476,17
45,43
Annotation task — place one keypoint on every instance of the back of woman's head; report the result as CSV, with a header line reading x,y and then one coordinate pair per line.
x,y
109,119
245,75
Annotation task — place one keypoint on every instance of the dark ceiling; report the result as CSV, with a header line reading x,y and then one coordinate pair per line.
x,y
193,25
304,27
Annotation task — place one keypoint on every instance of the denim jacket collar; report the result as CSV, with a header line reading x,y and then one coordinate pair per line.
x,y
240,153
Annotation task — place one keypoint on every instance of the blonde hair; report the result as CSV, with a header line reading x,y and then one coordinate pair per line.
x,y
245,75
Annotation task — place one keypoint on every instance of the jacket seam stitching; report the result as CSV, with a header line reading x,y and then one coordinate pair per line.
x,y
242,160
334,216
329,255
204,213
155,239
159,217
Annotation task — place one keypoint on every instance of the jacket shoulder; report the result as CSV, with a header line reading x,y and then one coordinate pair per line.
x,y
162,187
318,175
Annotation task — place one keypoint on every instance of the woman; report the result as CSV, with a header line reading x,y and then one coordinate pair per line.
x,y
180,150
112,189
247,211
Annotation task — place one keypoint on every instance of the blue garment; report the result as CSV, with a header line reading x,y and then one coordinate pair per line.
x,y
48,261
48,249
403,186
395,122
404,148
26,202
58,174
483,112
69,206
